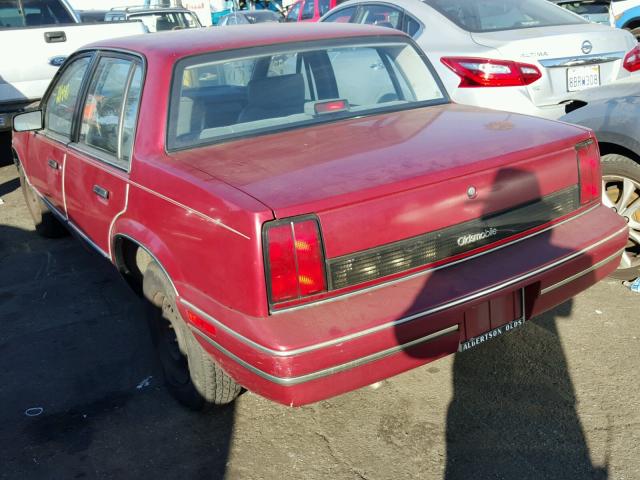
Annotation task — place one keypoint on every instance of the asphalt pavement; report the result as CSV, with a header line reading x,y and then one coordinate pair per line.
x,y
81,395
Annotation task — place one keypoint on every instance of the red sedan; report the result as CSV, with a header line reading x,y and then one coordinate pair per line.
x,y
304,209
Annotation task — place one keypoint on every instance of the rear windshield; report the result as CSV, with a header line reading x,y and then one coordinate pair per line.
x,y
214,100
494,15
33,13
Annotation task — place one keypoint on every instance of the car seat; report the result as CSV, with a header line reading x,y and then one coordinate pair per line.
x,y
273,97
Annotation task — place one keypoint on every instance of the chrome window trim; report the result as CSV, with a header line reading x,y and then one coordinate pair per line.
x,y
593,59
291,381
395,323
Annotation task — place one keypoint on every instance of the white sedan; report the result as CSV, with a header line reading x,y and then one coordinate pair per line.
x,y
526,56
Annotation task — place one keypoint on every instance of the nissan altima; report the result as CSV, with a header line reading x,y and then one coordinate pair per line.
x,y
526,56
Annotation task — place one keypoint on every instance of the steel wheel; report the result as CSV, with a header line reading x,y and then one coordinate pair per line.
x,y
622,194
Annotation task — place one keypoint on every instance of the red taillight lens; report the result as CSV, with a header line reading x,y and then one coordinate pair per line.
x,y
488,72
295,260
632,60
589,168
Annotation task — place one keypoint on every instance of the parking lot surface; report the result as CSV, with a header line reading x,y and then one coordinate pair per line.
x,y
82,396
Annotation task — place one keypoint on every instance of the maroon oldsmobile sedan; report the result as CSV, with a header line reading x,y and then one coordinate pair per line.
x,y
304,209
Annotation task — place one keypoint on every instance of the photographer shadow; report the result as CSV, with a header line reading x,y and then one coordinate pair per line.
x,y
513,411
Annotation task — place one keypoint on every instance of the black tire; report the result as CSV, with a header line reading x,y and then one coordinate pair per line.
x,y
190,374
47,225
616,168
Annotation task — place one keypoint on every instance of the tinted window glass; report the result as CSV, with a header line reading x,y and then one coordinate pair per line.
x,y
381,15
293,14
62,101
36,12
492,15
257,94
323,6
309,9
105,107
411,25
159,22
344,15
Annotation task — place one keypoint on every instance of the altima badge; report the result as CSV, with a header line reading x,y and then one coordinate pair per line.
x,y
587,47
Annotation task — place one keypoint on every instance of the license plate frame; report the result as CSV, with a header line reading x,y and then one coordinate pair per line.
x,y
583,77
497,331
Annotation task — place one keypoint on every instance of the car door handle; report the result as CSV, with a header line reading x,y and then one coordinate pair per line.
x,y
53,164
55,37
101,192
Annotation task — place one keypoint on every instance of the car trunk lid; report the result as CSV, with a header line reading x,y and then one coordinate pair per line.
x,y
382,179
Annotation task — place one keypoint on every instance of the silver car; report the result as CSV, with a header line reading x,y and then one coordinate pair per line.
x,y
526,56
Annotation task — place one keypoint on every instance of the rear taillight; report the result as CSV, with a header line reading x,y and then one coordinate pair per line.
x,y
488,72
632,60
294,259
589,168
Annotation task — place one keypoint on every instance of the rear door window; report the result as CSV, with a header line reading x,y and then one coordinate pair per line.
x,y
111,108
343,15
381,15
495,15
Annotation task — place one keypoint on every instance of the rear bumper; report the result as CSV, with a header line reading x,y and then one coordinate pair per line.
x,y
309,354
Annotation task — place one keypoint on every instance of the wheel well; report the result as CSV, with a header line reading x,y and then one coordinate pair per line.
x,y
132,261
635,23
606,148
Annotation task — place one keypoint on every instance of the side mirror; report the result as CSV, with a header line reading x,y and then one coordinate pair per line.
x,y
28,122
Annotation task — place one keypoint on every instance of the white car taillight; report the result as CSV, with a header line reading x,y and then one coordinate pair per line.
x,y
488,72
632,60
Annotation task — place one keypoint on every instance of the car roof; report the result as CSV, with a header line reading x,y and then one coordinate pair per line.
x,y
178,44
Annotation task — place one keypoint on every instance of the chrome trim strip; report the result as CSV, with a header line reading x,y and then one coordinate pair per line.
x,y
113,221
425,272
290,381
190,210
77,230
582,273
395,323
582,60
64,192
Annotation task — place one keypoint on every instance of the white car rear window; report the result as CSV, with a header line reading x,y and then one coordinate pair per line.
x,y
495,15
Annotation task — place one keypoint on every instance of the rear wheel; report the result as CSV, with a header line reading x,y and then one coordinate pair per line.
x,y
621,192
190,374
47,225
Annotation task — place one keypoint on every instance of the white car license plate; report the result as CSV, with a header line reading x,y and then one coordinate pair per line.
x,y
581,78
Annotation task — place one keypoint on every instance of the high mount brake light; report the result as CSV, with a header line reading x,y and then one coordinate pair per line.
x,y
589,168
488,72
632,60
294,259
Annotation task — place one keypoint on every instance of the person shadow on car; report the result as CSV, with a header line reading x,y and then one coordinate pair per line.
x,y
513,410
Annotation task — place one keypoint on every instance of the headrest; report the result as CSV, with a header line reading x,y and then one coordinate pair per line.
x,y
276,91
